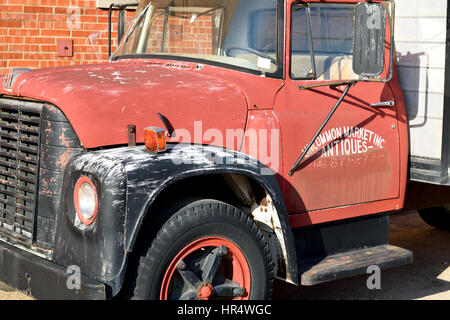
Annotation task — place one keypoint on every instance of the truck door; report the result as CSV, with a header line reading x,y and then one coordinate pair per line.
x,y
355,159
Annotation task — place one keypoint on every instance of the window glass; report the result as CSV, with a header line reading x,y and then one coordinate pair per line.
x,y
241,33
263,31
332,38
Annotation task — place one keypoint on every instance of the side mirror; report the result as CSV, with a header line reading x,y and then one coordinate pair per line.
x,y
369,39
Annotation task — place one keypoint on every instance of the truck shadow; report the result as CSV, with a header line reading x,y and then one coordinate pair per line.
x,y
428,277
410,66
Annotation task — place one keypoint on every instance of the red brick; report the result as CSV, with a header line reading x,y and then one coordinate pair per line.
x,y
12,39
62,10
49,48
52,17
90,19
81,34
11,56
55,33
35,9
25,2
37,25
91,56
63,3
105,20
19,16
40,40
23,48
10,24
9,8
24,32
95,26
38,56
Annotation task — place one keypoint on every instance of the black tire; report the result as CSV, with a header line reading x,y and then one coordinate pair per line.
x,y
438,217
194,222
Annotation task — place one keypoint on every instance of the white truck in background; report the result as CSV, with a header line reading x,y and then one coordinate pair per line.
x,y
423,66
420,43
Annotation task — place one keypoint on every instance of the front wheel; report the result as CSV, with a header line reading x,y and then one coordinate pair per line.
x,y
206,250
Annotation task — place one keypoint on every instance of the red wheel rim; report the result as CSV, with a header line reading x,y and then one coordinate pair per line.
x,y
234,267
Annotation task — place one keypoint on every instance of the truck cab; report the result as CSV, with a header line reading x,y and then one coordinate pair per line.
x,y
225,144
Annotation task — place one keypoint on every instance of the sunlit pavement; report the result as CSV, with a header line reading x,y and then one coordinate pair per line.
x,y
428,277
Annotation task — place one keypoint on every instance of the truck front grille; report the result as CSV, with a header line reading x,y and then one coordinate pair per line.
x,y
20,127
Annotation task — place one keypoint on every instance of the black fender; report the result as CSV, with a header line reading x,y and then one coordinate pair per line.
x,y
129,180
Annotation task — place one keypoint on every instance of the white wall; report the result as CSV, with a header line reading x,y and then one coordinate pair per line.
x,y
420,38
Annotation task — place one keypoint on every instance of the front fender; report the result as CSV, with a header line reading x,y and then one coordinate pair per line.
x,y
130,180
148,175
98,249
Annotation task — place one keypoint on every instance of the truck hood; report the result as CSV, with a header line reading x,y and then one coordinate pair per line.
x,y
100,101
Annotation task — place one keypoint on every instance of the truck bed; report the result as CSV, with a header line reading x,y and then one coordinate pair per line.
x,y
421,46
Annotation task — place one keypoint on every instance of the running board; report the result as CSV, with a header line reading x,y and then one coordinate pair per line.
x,y
352,263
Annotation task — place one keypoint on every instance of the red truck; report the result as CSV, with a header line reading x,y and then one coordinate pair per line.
x,y
225,144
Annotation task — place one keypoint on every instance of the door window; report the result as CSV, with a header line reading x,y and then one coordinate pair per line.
x,y
322,42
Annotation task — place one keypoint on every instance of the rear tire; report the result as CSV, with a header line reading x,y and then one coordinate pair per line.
x,y
206,250
438,217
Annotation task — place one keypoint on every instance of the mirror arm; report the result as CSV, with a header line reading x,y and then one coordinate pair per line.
x,y
344,94
331,84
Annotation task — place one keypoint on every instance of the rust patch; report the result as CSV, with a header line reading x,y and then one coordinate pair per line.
x,y
62,138
44,187
64,159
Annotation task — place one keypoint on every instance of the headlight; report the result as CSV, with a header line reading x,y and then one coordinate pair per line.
x,y
85,198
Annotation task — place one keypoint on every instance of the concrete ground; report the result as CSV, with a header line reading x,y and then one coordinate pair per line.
x,y
428,277
7,293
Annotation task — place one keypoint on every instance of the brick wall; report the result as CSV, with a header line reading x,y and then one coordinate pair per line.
x,y
31,29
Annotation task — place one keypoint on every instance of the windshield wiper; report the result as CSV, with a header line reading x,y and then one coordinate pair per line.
x,y
327,119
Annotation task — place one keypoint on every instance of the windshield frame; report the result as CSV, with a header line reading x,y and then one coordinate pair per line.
x,y
278,74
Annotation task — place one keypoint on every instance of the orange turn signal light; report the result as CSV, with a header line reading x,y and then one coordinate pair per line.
x,y
155,139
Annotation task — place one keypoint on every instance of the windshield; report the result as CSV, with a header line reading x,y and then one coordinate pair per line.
x,y
240,33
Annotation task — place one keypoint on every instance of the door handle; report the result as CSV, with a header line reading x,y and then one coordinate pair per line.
x,y
383,104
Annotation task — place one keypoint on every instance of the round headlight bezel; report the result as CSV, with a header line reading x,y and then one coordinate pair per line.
x,y
81,183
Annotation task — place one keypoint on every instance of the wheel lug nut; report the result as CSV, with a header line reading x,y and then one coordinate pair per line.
x,y
238,292
181,265
223,251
